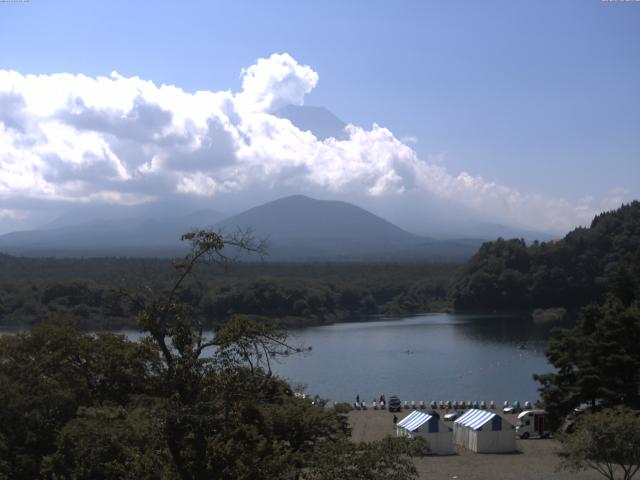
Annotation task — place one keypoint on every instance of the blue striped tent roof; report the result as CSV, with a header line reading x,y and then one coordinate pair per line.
x,y
475,419
414,420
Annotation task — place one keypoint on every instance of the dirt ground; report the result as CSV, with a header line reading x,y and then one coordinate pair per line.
x,y
535,459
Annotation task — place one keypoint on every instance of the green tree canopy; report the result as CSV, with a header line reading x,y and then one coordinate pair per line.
x,y
178,404
571,272
598,361
607,441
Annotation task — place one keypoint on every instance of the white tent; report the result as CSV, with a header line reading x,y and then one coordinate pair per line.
x,y
429,427
484,432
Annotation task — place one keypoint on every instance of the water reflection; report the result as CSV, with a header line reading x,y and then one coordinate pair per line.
x,y
427,357
505,329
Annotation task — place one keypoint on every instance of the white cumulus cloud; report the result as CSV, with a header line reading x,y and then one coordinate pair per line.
x,y
125,140
274,82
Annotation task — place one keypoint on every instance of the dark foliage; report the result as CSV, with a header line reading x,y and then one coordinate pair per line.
x,y
33,289
571,273
607,442
48,374
79,406
598,361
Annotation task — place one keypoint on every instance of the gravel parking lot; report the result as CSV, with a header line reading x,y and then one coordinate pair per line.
x,y
535,459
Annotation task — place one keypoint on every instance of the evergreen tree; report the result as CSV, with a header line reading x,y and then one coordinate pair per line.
x,y
572,272
598,361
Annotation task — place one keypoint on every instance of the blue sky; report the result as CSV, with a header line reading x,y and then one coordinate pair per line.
x,y
542,97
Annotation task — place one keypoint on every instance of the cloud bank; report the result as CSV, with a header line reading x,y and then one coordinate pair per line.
x,y
76,139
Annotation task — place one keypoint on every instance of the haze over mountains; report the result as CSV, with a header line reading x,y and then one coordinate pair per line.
x,y
302,228
436,219
104,237
297,227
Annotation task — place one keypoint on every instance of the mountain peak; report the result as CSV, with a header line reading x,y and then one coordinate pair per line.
x,y
305,199
297,227
299,216
317,120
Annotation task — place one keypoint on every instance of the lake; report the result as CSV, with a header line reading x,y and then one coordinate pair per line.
x,y
424,357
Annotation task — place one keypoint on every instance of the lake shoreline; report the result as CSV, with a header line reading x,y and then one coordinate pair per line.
x,y
290,323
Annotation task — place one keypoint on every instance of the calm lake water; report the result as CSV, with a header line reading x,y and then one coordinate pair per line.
x,y
425,357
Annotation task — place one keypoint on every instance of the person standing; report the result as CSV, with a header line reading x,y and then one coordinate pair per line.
x,y
358,399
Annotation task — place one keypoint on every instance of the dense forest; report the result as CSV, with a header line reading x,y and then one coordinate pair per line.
x,y
571,272
598,360
33,289
98,406
504,274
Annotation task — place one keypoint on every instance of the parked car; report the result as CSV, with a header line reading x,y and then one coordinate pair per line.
x,y
451,416
395,405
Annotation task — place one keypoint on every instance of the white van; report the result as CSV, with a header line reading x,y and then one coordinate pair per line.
x,y
532,423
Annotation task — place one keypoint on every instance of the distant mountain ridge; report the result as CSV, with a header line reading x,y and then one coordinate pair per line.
x,y
298,228
299,216
107,237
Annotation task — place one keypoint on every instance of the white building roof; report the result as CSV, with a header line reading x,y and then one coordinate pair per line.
x,y
414,420
475,419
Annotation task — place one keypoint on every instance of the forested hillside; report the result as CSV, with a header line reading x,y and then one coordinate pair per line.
x,y
33,289
572,272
